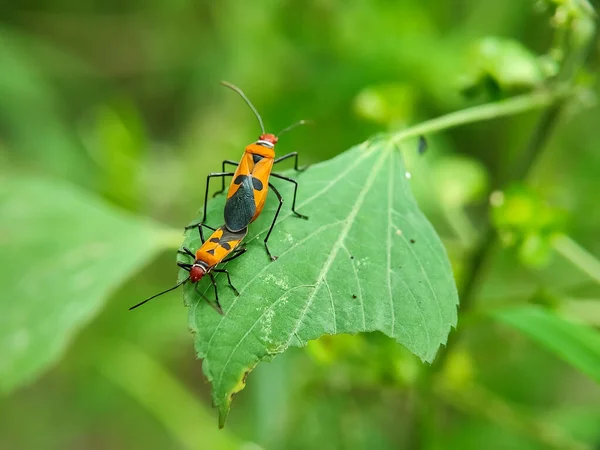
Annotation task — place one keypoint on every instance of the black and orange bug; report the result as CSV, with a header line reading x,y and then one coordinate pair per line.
x,y
250,183
219,248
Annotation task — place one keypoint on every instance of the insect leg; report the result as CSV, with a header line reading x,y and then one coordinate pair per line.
x,y
273,258
228,279
210,175
214,283
227,161
206,299
184,266
240,252
201,233
186,251
291,180
291,155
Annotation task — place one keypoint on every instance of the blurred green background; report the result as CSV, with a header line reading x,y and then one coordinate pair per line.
x,y
122,100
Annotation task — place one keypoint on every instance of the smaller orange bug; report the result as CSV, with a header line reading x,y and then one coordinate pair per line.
x,y
250,183
219,248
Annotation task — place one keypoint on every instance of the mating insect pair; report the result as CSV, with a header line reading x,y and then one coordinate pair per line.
x,y
246,198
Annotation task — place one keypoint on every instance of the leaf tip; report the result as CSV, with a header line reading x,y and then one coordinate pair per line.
x,y
225,406
223,413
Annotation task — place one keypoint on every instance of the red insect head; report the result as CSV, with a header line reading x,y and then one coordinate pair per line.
x,y
269,138
196,273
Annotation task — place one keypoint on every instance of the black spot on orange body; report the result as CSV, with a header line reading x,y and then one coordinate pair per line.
x,y
257,184
218,246
248,190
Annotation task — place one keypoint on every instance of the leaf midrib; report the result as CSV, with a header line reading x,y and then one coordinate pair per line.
x,y
306,202
349,221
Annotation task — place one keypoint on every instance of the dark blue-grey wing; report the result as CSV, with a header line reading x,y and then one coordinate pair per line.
x,y
240,207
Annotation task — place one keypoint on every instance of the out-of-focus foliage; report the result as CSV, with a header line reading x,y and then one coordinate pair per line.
x,y
576,343
121,99
525,221
64,252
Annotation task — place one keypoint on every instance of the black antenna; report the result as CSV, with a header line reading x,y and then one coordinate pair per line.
x,y
239,91
294,125
163,292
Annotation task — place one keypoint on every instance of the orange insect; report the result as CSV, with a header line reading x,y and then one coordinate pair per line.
x,y
250,184
219,248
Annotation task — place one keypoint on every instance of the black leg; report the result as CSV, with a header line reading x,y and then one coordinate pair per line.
x,y
186,251
240,252
291,180
207,300
273,258
184,266
214,283
291,155
201,233
227,161
199,224
212,175
228,279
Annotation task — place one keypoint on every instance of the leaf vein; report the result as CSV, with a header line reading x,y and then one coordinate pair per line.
x,y
360,297
344,233
260,272
391,226
332,305
389,244
424,272
276,302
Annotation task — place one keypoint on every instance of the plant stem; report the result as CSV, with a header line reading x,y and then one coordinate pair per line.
x,y
520,170
555,103
577,255
475,266
516,105
187,420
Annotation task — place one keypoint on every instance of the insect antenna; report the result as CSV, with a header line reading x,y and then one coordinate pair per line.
x,y
239,91
161,293
294,125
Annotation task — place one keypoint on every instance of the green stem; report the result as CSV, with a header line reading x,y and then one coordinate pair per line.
x,y
167,399
520,170
516,105
577,255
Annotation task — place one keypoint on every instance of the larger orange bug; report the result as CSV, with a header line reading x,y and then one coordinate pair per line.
x,y
250,183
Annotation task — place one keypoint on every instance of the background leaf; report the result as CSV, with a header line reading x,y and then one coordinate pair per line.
x,y
63,252
576,343
366,260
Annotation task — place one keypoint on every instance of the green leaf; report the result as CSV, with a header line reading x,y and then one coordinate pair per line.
x,y
62,253
576,343
366,260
